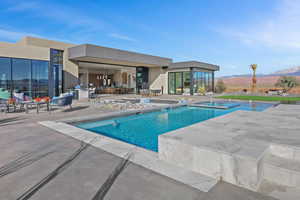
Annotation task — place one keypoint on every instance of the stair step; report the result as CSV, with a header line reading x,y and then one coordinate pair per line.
x,y
289,152
281,170
279,191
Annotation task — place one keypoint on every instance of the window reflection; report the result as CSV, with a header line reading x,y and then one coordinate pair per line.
x,y
56,57
5,74
40,78
21,76
24,76
180,82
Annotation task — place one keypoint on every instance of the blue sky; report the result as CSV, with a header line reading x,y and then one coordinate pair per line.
x,y
230,33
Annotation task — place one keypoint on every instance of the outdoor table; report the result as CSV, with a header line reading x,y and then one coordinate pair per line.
x,y
37,104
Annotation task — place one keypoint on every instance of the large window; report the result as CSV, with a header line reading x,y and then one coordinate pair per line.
x,y
56,76
183,82
5,74
40,78
25,76
186,82
179,82
21,76
171,80
202,80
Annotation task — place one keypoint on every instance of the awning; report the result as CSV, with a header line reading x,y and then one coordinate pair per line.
x,y
99,54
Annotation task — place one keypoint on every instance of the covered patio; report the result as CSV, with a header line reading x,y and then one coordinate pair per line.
x,y
114,71
107,79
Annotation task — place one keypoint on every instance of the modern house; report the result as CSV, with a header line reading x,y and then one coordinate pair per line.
x,y
41,67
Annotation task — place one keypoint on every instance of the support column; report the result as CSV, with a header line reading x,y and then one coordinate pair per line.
x,y
192,81
213,81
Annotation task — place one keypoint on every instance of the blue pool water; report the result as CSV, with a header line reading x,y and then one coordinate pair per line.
x,y
223,104
143,129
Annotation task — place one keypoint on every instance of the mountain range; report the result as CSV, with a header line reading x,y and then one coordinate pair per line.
x,y
294,71
263,80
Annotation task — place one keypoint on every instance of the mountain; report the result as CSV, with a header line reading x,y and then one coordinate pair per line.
x,y
263,80
294,71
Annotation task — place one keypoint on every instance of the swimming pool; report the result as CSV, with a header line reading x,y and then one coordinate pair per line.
x,y
218,104
143,129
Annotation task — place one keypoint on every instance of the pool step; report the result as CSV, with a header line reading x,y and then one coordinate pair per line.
x,y
281,170
279,191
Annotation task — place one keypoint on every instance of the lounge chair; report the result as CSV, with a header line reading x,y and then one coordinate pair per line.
x,y
62,101
4,100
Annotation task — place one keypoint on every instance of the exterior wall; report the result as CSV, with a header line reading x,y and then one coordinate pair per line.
x,y
158,78
19,51
71,72
70,68
39,42
39,49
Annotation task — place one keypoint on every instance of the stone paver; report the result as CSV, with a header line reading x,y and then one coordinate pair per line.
x,y
47,149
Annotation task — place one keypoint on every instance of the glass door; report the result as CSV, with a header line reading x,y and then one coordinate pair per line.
x,y
178,83
175,80
171,83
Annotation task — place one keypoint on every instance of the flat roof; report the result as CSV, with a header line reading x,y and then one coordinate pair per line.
x,y
196,64
99,54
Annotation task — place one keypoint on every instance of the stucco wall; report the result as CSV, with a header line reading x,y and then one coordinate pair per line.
x,y
37,48
157,78
19,51
71,72
39,42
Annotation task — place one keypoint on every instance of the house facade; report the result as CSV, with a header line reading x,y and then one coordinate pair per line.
x,y
40,67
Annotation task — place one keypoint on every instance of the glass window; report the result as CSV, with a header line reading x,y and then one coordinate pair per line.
x,y
24,75
178,82
5,74
186,82
56,57
171,83
21,75
40,78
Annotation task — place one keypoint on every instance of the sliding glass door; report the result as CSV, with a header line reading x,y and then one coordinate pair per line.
x,y
171,83
179,82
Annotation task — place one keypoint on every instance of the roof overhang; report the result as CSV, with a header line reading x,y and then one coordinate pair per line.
x,y
98,54
194,64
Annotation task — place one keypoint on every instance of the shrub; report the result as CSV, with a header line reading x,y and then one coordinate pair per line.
x,y
220,86
287,82
201,90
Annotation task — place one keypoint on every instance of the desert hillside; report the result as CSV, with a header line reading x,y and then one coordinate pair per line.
x,y
264,82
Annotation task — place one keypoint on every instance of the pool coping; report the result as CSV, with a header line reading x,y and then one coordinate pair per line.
x,y
141,156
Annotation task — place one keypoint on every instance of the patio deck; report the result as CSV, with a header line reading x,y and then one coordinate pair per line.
x,y
244,148
45,149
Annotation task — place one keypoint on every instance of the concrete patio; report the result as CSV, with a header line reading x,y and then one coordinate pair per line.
x,y
243,148
42,150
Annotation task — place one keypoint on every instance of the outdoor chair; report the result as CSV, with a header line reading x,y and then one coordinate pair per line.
x,y
62,101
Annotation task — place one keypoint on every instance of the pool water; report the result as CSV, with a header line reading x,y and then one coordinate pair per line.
x,y
143,129
219,104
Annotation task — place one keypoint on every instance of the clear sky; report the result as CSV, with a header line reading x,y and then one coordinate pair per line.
x,y
230,33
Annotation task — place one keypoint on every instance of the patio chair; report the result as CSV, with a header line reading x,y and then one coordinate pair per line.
x,y
4,98
62,101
